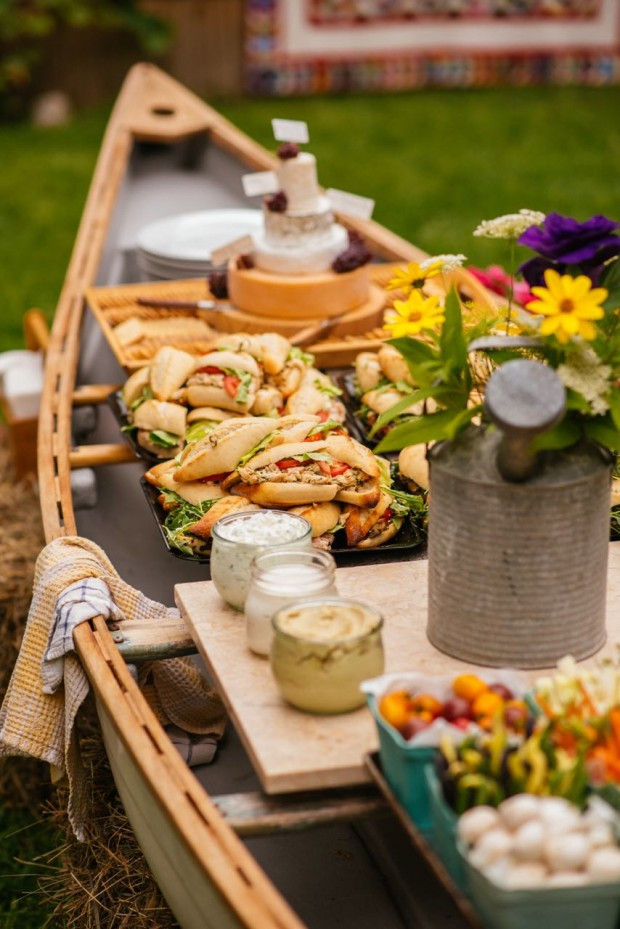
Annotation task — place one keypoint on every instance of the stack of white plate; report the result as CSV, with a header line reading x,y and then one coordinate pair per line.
x,y
181,246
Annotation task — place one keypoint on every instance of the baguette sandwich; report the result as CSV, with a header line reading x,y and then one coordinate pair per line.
x,y
160,427
316,395
369,527
193,492
225,379
294,473
232,442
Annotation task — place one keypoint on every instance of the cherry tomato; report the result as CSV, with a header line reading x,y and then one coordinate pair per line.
x,y
426,703
231,384
468,686
395,708
486,704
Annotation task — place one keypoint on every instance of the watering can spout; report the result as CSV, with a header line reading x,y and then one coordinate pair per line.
x,y
524,399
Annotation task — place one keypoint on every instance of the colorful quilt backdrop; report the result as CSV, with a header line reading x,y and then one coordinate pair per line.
x,y
322,46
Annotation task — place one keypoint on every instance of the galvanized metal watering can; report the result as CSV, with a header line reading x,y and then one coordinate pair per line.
x,y
518,541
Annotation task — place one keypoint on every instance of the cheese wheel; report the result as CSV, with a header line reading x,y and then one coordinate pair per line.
x,y
311,296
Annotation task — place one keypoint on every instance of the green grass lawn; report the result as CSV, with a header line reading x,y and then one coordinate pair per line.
x,y
436,162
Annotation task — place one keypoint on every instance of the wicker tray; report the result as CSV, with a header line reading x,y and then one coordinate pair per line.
x,y
359,331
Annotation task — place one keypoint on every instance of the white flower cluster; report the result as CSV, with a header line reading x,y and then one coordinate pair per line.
x,y
585,373
443,262
509,226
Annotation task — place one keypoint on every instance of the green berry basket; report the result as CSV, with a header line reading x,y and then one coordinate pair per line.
x,y
405,763
404,767
593,906
443,829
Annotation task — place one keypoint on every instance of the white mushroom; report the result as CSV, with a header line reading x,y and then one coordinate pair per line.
x,y
492,845
567,851
529,840
604,865
519,809
558,815
600,834
526,874
567,879
475,822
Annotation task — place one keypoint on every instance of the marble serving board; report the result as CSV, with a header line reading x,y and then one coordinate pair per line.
x,y
292,750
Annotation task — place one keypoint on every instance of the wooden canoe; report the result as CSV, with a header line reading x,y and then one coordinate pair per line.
x,y
159,135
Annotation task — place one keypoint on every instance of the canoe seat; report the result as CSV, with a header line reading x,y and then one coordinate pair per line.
x,y
255,813
138,640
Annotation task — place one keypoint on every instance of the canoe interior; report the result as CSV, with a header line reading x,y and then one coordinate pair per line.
x,y
166,152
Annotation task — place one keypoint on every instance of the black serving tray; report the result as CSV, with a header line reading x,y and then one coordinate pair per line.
x,y
119,409
406,540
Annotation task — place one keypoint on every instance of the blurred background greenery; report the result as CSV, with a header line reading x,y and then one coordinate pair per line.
x,y
435,161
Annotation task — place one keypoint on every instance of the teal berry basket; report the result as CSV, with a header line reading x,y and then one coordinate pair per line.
x,y
443,829
596,906
404,768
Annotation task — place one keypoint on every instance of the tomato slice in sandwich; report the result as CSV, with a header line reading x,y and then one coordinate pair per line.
x,y
210,369
214,478
285,463
231,384
339,467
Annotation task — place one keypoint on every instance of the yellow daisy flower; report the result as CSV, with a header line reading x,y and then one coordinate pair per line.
x,y
569,304
411,316
406,278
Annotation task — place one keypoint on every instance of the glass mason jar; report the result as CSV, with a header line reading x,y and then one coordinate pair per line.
x,y
279,578
239,537
323,649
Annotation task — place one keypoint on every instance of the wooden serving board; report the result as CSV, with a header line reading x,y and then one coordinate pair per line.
x,y
292,750
359,330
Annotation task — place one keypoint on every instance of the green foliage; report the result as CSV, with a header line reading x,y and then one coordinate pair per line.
x,y
25,25
441,365
23,841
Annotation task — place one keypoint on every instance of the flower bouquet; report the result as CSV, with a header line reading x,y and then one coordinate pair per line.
x,y
570,321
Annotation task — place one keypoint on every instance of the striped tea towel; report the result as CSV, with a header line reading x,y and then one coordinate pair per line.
x,y
74,581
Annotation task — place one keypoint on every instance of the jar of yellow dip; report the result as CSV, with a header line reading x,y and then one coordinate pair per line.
x,y
323,649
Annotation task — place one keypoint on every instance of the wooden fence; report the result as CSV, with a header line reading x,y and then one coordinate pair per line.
x,y
205,54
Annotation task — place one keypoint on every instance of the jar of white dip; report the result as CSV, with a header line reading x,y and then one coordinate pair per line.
x,y
282,577
239,537
323,649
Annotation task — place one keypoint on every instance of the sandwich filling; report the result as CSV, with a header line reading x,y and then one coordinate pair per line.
x,y
233,381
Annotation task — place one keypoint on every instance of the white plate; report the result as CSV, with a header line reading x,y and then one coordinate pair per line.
x,y
193,236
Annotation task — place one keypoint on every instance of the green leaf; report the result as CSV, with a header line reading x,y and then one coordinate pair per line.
x,y
452,341
259,447
603,430
576,401
421,358
565,434
421,429
422,393
611,281
164,438
298,353
330,390
199,430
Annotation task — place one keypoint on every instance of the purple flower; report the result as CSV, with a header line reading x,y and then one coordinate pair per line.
x,y
562,241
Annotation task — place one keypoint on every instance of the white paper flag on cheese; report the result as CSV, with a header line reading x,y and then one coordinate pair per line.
x,y
351,204
236,247
290,130
262,182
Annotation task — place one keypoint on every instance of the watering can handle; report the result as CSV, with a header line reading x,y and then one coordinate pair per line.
x,y
523,398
